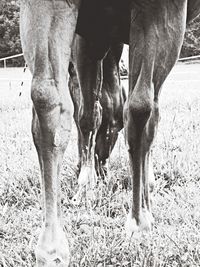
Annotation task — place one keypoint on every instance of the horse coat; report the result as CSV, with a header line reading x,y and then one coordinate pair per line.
x,y
103,22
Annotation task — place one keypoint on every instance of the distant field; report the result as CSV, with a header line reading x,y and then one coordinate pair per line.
x,y
96,234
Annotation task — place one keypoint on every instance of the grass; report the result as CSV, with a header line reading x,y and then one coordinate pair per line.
x,y
96,234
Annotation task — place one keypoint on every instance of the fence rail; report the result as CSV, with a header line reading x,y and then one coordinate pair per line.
x,y
6,58
188,58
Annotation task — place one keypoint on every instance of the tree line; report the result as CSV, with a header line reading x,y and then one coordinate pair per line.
x,y
9,31
10,38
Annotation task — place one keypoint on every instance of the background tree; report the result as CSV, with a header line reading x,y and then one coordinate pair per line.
x,y
191,45
9,31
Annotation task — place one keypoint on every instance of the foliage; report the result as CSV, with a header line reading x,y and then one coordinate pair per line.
x,y
9,30
191,45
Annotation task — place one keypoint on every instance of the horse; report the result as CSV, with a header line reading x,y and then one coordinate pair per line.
x,y
155,35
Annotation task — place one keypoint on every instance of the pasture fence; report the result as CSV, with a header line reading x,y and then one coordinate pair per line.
x,y
192,58
13,78
4,59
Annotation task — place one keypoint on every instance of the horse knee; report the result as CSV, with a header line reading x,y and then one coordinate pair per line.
x,y
44,95
139,111
53,116
141,107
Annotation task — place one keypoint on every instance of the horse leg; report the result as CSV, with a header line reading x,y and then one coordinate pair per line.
x,y
112,101
156,36
89,71
46,41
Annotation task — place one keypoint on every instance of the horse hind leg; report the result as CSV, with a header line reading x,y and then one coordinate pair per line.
x,y
112,101
105,141
87,179
89,72
87,118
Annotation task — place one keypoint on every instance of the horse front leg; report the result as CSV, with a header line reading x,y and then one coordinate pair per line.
x,y
156,36
46,41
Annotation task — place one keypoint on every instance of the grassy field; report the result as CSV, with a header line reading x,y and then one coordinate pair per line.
x,y
96,234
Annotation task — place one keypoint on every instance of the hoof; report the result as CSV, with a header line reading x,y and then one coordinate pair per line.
x,y
86,181
52,249
144,225
87,177
131,226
